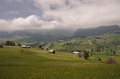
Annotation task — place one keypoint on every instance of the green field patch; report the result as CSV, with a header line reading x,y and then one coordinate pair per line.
x,y
39,64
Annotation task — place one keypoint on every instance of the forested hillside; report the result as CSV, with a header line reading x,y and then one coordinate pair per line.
x,y
100,39
96,31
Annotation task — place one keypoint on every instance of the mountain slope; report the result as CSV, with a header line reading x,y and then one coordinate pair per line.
x,y
47,35
36,35
95,31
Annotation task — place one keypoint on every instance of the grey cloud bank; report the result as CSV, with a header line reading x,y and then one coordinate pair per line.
x,y
50,14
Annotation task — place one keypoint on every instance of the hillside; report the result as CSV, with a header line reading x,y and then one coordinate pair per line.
x,y
98,43
66,38
96,31
35,35
39,64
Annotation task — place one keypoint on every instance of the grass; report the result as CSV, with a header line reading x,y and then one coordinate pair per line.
x,y
39,64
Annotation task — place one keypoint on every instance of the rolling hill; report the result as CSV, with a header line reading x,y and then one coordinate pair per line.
x,y
100,39
70,38
35,35
95,31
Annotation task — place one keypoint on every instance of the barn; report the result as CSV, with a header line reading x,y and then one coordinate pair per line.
x,y
75,52
98,58
81,54
25,46
1,45
52,51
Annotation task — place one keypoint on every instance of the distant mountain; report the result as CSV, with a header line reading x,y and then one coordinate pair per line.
x,y
95,31
4,34
36,35
47,35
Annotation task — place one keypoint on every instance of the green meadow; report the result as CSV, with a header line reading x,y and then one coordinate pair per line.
x,y
36,63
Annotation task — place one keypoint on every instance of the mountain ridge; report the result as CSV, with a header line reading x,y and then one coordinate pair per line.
x,y
36,36
54,34
95,31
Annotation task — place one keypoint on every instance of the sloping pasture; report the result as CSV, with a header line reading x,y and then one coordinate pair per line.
x,y
39,64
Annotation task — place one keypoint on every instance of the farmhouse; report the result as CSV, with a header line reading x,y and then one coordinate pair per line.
x,y
52,51
81,54
1,45
25,46
75,52
98,58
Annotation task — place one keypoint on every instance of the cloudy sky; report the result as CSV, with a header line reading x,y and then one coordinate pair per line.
x,y
49,14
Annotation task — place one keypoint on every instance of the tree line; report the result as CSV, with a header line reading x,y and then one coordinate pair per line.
x,y
11,43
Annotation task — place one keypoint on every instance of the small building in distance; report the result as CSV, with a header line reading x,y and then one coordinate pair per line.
x,y
52,51
1,45
25,46
81,54
98,58
75,52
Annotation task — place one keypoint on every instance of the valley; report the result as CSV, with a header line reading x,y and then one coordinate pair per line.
x,y
37,63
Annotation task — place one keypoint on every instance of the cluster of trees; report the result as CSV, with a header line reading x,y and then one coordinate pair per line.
x,y
84,54
10,43
100,48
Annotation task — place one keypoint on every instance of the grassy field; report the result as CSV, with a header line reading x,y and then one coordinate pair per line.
x,y
39,64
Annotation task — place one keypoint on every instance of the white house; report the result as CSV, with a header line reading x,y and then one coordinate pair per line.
x,y
52,51
75,52
25,46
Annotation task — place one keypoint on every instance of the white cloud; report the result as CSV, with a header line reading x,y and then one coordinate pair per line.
x,y
81,13
67,14
31,22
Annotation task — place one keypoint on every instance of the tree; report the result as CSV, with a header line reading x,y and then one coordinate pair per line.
x,y
40,47
19,44
114,52
86,55
10,43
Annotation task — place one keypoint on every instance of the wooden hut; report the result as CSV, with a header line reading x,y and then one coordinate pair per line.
x,y
52,51
1,45
98,58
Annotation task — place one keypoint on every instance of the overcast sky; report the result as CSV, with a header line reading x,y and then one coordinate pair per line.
x,y
49,14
